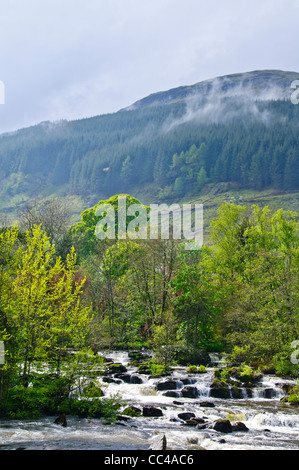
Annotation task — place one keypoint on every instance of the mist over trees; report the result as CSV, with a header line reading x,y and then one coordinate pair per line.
x,y
156,147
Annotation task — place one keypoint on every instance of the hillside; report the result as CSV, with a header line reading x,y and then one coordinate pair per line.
x,y
265,84
225,136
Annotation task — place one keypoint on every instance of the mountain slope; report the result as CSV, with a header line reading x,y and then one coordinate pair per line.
x,y
266,84
238,132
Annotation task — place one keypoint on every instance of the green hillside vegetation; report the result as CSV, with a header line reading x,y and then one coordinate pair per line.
x,y
161,149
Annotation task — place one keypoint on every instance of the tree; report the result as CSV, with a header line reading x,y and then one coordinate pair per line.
x,y
196,305
127,172
202,178
41,301
256,257
53,215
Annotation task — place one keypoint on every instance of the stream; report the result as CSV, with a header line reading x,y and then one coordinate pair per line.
x,y
271,424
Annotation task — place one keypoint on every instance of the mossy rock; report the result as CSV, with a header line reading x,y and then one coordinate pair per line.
x,y
93,391
220,389
145,368
132,411
115,368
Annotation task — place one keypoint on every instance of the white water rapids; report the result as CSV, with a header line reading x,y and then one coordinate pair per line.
x,y
272,425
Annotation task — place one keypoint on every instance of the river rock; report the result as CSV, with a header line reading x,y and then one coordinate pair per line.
x,y
207,404
115,368
123,417
132,411
219,390
240,427
111,380
129,378
159,443
61,420
189,392
186,415
195,421
222,425
167,385
187,380
269,393
138,356
152,412
172,394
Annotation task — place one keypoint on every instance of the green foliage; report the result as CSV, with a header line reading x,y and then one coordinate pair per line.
x,y
103,408
83,234
40,304
132,411
153,368
46,395
196,369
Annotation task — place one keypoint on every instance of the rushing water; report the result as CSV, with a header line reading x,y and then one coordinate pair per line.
x,y
272,425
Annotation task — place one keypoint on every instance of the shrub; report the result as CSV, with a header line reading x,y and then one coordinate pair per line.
x,y
92,391
104,408
197,370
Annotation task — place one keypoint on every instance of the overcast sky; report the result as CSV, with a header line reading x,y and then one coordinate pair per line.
x,y
70,59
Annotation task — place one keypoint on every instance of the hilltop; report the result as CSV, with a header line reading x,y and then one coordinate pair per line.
x,y
259,84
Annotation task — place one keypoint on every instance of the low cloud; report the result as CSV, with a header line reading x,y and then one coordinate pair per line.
x,y
224,99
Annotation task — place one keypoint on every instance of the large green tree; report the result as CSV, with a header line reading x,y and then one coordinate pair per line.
x,y
42,313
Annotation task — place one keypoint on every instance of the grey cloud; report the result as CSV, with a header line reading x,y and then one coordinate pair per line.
x,y
66,59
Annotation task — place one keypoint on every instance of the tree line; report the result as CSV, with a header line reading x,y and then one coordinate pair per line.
x,y
157,146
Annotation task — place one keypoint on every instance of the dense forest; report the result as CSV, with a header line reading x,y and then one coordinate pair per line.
x,y
65,298
173,150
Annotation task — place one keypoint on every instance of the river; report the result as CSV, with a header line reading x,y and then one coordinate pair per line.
x,y
272,425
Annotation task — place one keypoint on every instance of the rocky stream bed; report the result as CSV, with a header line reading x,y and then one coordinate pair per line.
x,y
183,411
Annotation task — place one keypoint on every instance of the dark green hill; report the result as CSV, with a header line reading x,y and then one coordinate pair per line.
x,y
240,131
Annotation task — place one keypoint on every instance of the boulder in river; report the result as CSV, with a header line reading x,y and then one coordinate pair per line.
x,y
189,392
207,404
116,368
186,415
240,427
139,356
110,380
129,378
168,385
152,412
222,425
269,393
172,394
132,411
61,420
195,421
